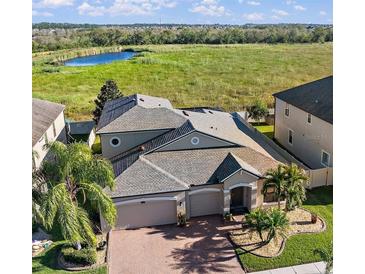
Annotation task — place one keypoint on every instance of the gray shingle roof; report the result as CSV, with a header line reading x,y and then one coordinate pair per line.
x,y
221,125
82,127
122,161
232,164
143,177
315,98
138,112
141,118
43,115
176,170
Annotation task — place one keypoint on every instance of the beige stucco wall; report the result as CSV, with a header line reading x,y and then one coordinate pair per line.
x,y
240,177
59,124
128,141
205,141
308,139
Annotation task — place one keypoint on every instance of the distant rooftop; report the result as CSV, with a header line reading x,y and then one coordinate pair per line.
x,y
43,115
315,98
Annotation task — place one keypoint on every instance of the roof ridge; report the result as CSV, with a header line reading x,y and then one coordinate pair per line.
x,y
244,165
159,169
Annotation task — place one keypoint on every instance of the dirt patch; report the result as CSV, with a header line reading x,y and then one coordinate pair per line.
x,y
299,222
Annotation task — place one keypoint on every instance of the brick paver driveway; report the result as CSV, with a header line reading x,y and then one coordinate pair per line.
x,y
202,247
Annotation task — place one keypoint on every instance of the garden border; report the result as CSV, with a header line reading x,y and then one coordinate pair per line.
x,y
283,243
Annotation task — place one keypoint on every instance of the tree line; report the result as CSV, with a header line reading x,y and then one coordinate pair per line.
x,y
49,39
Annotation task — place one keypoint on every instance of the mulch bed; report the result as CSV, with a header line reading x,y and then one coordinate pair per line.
x,y
299,222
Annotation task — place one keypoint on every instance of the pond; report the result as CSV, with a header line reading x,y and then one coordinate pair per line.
x,y
103,58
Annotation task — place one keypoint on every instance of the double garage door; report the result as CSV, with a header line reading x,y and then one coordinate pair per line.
x,y
205,203
146,213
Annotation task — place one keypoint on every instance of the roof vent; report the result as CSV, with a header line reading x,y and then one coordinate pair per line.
x,y
141,148
185,113
211,127
141,99
210,111
159,105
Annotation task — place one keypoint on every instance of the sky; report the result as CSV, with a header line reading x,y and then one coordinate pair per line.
x,y
183,11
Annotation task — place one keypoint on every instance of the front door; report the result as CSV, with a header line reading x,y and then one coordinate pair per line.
x,y
237,197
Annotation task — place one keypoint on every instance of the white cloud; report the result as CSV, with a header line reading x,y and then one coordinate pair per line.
x,y
86,9
139,7
39,13
275,17
299,7
55,3
280,12
322,13
253,3
290,2
254,16
209,8
126,7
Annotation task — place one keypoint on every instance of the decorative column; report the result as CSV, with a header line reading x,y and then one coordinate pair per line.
x,y
253,196
227,201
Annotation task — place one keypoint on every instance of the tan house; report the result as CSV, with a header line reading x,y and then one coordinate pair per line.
x,y
48,125
168,161
304,122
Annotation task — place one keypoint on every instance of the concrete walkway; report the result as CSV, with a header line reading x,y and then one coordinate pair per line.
x,y
313,268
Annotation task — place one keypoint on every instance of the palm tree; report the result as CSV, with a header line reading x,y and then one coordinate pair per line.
x,y
276,178
75,180
296,181
326,255
277,223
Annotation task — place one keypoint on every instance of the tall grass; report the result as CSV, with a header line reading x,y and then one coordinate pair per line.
x,y
228,76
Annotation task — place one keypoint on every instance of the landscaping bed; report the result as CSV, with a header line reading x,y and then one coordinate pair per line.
x,y
298,248
299,222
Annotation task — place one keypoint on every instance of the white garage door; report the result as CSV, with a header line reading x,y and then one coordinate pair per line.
x,y
146,213
205,203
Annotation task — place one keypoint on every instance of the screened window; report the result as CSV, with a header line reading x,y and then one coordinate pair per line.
x,y
309,118
290,137
287,110
54,130
270,196
325,158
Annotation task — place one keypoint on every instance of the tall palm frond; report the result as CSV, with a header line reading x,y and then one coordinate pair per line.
x,y
275,178
296,181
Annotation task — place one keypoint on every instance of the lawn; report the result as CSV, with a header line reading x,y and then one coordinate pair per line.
x,y
46,263
267,130
229,76
299,248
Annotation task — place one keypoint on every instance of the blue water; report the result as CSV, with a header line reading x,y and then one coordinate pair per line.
x,y
103,58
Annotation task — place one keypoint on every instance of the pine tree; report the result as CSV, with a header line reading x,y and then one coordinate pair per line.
x,y
108,91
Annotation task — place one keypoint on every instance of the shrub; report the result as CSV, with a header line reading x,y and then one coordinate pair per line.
x,y
51,69
272,221
84,256
181,219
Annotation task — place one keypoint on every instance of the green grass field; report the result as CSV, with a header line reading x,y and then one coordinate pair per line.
x,y
46,263
299,248
267,130
229,76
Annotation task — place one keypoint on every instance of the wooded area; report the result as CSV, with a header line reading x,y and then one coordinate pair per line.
x,y
52,36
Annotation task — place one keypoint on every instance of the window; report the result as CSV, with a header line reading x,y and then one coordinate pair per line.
x,y
325,159
309,118
270,196
195,141
290,137
54,130
115,142
287,110
46,137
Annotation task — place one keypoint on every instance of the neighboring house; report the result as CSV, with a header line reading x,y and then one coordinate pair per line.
x,y
83,131
304,122
48,125
169,161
